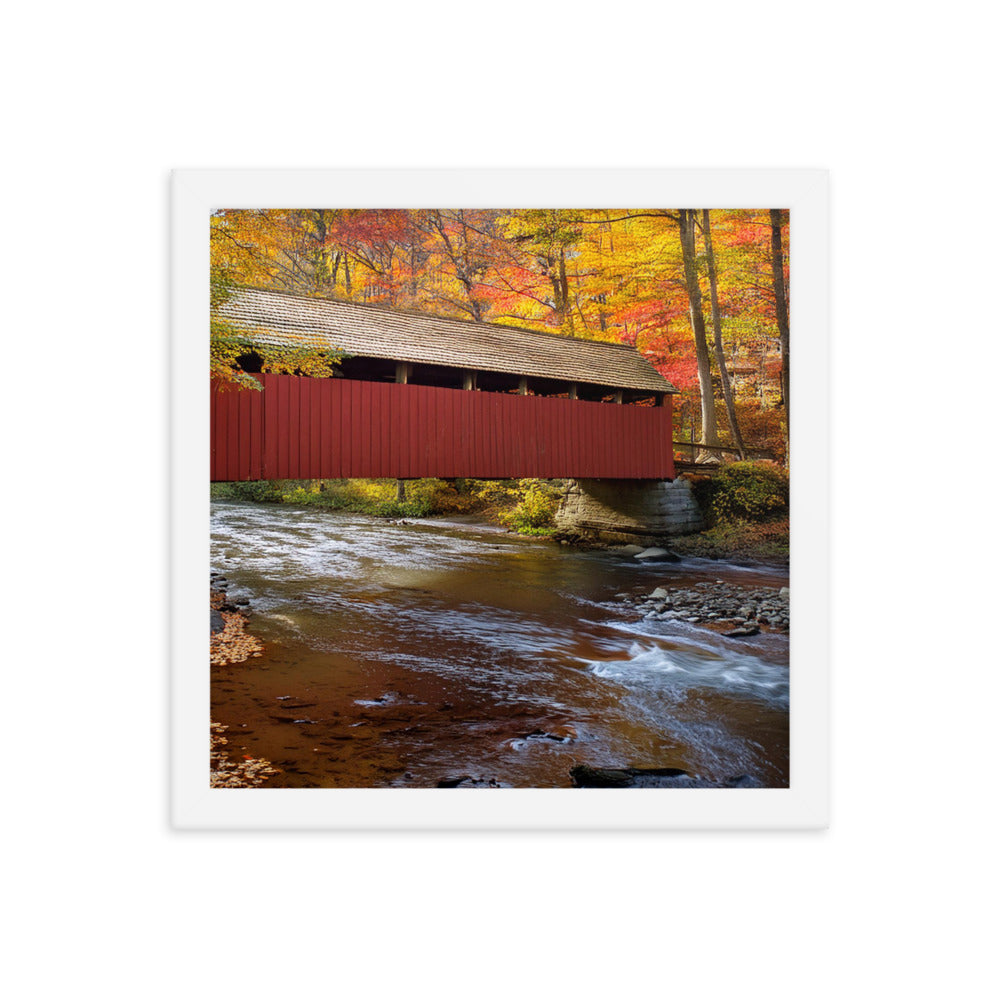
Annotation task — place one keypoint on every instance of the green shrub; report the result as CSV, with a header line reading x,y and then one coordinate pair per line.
x,y
534,510
748,491
259,491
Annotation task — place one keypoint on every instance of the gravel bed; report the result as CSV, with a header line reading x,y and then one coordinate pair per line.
x,y
724,607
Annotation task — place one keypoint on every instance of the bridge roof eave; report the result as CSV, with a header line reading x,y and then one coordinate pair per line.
x,y
282,320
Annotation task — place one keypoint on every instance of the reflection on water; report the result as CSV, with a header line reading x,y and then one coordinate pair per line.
x,y
403,654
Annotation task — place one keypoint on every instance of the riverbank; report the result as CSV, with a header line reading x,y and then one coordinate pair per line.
x,y
525,506
741,543
228,772
231,643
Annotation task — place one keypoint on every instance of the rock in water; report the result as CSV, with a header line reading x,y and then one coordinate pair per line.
x,y
585,776
657,555
741,632
217,622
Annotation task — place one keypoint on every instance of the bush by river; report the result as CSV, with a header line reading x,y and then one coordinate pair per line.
x,y
526,506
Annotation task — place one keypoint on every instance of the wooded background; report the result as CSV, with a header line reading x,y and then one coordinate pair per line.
x,y
702,294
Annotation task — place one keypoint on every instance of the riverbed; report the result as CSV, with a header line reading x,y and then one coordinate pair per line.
x,y
429,652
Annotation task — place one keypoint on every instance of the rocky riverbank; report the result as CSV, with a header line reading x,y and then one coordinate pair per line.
x,y
743,544
728,608
230,641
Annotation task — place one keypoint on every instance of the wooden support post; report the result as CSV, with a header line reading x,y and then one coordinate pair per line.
x,y
618,396
522,386
572,391
403,372
469,380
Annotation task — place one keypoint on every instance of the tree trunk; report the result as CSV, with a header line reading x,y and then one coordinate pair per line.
x,y
720,355
781,312
567,312
709,429
400,491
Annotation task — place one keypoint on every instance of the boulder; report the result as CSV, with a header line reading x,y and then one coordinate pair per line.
x,y
585,776
655,554
745,630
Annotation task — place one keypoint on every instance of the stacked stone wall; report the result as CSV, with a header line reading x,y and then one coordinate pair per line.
x,y
627,511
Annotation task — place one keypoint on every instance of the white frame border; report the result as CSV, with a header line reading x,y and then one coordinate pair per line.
x,y
804,805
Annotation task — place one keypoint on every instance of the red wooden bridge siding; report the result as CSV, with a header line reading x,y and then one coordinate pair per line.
x,y
305,428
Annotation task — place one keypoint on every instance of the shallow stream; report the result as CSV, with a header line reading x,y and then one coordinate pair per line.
x,y
407,654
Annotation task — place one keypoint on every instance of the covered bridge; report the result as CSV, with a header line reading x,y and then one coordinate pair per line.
x,y
420,395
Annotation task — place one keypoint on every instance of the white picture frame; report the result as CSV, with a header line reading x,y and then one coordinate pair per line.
x,y
803,805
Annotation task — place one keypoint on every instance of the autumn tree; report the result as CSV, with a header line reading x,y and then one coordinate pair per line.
x,y
720,354
780,305
709,427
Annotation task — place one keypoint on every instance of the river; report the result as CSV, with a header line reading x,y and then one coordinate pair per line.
x,y
402,655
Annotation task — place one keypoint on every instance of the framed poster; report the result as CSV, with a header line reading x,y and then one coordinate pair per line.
x,y
494,499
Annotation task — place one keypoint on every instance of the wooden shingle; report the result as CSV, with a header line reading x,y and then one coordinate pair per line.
x,y
280,319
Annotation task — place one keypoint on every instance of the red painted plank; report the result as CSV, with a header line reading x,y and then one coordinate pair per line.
x,y
344,423
278,413
361,412
256,432
348,437
482,441
374,439
393,416
305,435
213,425
235,434
497,436
430,436
377,397
222,437
446,411
321,413
593,438
614,439
316,428
336,390
565,436
446,408
243,435
385,431
535,429
415,430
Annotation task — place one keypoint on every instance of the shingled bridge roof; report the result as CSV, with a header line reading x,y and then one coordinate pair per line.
x,y
281,319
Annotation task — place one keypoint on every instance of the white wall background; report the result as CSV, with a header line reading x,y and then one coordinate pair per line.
x,y
101,100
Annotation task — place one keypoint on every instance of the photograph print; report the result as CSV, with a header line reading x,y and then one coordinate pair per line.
x,y
499,498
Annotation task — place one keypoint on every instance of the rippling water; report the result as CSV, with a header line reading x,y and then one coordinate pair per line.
x,y
401,655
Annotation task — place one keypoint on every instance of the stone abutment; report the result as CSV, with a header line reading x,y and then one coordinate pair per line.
x,y
624,511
